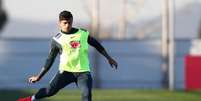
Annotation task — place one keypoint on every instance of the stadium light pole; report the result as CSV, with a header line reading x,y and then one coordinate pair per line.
x,y
95,33
95,18
168,44
171,45
123,20
164,41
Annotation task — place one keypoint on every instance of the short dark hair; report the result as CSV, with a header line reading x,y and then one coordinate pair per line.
x,y
65,15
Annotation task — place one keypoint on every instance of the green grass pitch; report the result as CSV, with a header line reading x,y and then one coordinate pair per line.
x,y
109,95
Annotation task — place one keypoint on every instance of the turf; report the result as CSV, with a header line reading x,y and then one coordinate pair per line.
x,y
109,95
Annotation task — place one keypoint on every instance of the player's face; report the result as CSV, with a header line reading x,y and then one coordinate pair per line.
x,y
66,25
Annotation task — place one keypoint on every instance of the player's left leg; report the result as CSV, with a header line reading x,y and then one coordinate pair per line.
x,y
84,82
58,82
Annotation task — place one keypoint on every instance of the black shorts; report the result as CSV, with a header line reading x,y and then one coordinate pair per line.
x,y
82,79
62,79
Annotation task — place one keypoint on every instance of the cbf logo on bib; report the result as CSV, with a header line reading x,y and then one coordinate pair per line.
x,y
75,44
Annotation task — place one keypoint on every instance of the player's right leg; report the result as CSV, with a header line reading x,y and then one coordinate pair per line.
x,y
58,82
84,82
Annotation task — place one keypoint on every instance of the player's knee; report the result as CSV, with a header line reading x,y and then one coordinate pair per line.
x,y
86,94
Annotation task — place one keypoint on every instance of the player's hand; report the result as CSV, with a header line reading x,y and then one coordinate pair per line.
x,y
33,79
112,63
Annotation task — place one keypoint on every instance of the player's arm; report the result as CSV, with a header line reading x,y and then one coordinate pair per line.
x,y
93,42
49,61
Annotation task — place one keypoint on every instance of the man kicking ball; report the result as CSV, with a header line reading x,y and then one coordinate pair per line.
x,y
72,45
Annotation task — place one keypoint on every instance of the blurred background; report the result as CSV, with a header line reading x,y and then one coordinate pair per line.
x,y
148,38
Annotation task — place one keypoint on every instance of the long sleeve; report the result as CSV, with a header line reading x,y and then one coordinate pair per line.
x,y
93,42
52,54
54,50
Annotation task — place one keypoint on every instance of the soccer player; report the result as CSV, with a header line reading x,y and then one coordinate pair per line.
x,y
72,45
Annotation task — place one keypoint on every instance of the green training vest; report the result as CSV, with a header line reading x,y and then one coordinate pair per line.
x,y
74,56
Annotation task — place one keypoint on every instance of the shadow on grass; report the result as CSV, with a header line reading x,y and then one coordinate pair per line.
x,y
13,95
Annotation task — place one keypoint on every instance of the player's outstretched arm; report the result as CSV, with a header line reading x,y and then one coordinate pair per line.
x,y
93,42
50,60
111,61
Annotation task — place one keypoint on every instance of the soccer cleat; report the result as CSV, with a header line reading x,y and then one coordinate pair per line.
x,y
25,99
